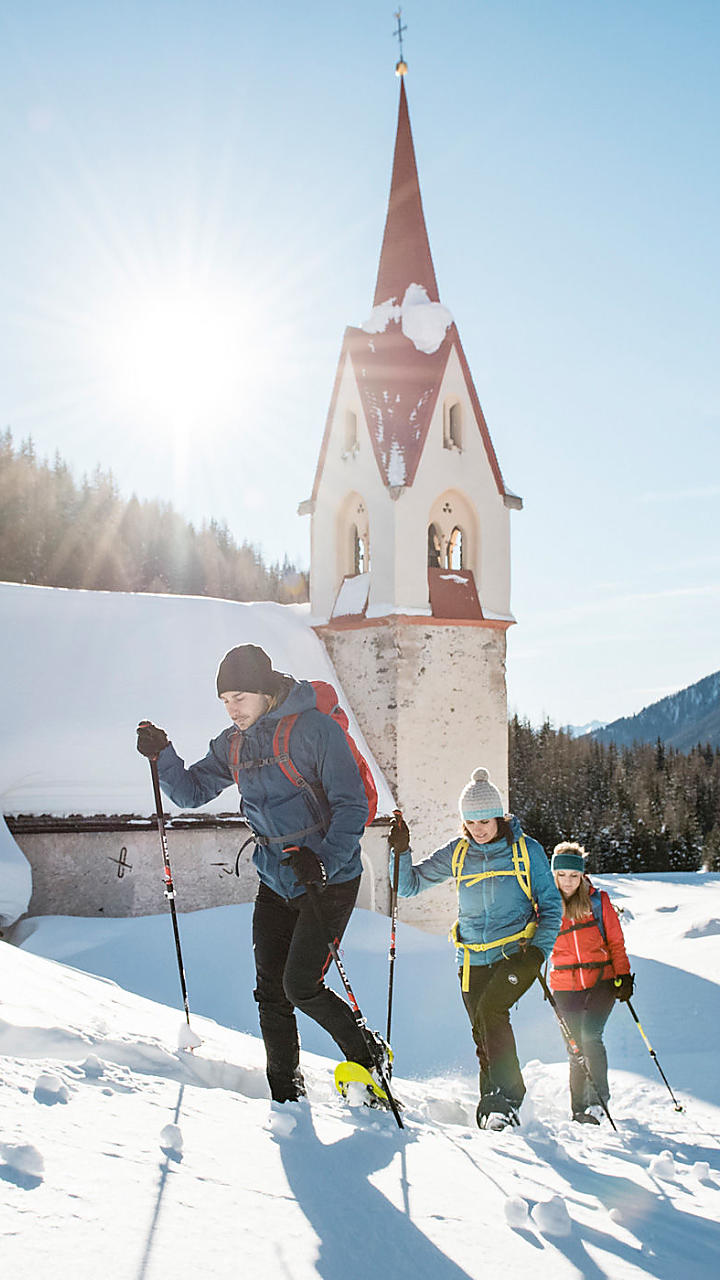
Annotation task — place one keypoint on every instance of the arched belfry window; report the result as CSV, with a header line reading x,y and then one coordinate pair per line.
x,y
434,551
452,427
360,553
455,558
353,538
350,441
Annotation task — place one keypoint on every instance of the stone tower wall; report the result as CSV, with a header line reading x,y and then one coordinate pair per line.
x,y
431,701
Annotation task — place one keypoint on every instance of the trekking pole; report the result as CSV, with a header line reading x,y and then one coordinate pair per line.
x,y
573,1046
360,1021
678,1105
393,932
169,887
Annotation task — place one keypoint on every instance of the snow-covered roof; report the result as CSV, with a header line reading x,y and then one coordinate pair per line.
x,y
81,668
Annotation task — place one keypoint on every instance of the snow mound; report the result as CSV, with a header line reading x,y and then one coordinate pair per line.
x,y
516,1212
701,1170
171,1139
552,1218
663,1166
187,1038
50,1089
15,878
281,1122
22,1157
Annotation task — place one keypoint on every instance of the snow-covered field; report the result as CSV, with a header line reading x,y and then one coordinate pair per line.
x,y
124,1157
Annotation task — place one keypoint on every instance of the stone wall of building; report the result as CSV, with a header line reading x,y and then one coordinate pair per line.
x,y
115,873
432,703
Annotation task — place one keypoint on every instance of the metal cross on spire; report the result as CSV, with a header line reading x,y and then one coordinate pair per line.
x,y
401,65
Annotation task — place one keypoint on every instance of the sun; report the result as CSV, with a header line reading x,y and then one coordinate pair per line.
x,y
176,359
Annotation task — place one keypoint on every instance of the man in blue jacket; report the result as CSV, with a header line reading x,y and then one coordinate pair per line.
x,y
323,815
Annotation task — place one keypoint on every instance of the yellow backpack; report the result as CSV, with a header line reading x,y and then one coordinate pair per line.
x,y
521,872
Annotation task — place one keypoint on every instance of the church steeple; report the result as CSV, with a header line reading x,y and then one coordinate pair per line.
x,y
405,422
405,256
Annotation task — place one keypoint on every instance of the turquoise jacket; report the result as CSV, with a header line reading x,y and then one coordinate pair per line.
x,y
328,815
496,907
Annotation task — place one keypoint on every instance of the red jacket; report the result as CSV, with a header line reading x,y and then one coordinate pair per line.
x,y
581,957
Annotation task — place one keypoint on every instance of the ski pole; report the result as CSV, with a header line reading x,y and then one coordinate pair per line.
x,y
678,1105
360,1021
169,887
393,931
573,1046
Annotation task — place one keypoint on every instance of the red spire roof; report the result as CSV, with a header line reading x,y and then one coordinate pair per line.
x,y
405,257
397,382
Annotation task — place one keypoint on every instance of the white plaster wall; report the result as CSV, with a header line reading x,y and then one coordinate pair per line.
x,y
431,701
76,873
344,473
469,472
398,526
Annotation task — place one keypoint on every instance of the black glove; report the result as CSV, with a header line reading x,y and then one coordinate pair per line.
x,y
306,867
535,957
151,740
624,985
399,834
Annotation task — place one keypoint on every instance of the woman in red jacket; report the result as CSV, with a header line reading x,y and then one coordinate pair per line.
x,y
589,972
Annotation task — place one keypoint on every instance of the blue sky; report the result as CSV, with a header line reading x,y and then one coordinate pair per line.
x,y
194,198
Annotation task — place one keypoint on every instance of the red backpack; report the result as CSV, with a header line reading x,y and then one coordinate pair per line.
x,y
326,701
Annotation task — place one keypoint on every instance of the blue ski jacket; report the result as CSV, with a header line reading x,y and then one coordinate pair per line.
x,y
497,906
327,815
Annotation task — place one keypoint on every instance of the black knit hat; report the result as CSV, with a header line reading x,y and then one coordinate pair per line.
x,y
247,669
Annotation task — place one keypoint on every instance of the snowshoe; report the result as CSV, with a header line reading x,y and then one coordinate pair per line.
x,y
495,1112
360,1086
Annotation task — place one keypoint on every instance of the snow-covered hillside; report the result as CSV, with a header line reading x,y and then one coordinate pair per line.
x,y
122,1156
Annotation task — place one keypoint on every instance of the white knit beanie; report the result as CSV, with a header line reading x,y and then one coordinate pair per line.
x,y
480,800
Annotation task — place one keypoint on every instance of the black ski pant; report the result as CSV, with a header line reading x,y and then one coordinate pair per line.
x,y
493,989
291,960
586,1013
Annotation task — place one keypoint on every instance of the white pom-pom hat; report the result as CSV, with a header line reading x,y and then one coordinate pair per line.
x,y
480,799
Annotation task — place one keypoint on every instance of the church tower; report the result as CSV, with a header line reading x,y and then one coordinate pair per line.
x,y
410,541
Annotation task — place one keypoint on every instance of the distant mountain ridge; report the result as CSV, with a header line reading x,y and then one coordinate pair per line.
x,y
682,720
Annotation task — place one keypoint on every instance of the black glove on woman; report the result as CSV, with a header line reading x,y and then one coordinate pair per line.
x,y
399,835
624,985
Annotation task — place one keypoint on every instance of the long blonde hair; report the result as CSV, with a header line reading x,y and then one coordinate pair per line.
x,y
577,906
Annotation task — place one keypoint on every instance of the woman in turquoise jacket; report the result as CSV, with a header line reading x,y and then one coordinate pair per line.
x,y
509,913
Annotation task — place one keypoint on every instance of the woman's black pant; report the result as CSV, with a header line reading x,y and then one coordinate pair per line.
x,y
291,960
493,989
586,1013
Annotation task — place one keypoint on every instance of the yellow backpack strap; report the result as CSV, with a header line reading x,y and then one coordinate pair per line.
x,y
458,859
522,871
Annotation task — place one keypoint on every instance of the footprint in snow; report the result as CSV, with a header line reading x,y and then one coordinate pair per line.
x,y
50,1089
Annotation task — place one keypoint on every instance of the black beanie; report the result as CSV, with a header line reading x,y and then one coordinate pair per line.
x,y
246,669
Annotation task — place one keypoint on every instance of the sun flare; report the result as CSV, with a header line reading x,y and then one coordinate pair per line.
x,y
178,359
